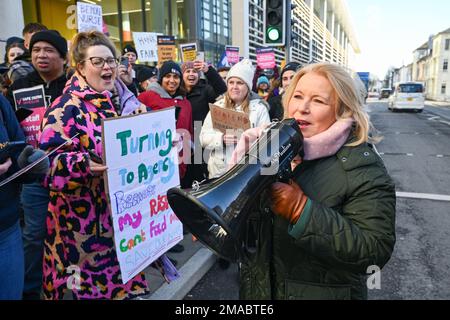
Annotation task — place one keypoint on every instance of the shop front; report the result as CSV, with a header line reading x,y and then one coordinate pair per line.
x,y
120,17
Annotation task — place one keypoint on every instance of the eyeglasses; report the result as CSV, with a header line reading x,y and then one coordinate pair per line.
x,y
99,62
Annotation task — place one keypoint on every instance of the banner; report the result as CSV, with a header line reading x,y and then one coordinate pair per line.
x,y
31,98
166,49
89,17
142,166
232,54
227,119
265,58
188,51
146,46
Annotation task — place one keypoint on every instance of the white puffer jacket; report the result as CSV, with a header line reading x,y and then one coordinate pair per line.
x,y
212,139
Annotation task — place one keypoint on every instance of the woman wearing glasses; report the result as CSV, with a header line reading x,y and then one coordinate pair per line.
x,y
79,248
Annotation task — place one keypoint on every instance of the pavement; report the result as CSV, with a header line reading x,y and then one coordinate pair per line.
x,y
193,263
444,104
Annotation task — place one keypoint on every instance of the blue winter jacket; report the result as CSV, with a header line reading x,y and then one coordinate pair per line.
x,y
10,130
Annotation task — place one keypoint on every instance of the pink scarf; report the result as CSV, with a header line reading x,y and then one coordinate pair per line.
x,y
322,145
327,143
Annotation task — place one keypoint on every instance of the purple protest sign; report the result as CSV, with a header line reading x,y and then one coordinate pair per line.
x,y
265,58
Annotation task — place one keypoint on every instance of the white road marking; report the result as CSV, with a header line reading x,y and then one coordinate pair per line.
x,y
425,196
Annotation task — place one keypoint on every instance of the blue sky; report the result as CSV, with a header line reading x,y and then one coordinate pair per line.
x,y
388,31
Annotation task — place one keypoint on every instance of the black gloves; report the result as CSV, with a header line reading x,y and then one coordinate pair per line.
x,y
30,155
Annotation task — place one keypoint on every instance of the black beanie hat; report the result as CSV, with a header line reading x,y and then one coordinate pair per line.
x,y
146,73
53,37
291,66
129,48
169,67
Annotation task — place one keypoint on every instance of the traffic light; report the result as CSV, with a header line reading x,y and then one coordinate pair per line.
x,y
274,22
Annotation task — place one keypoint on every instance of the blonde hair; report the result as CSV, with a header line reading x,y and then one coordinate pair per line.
x,y
347,99
230,104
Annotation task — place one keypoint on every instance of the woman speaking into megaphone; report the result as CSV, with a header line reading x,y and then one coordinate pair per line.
x,y
336,217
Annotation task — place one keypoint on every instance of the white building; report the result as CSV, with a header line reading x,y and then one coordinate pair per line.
x,y
405,73
324,26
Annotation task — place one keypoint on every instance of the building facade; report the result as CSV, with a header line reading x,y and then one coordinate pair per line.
x,y
323,27
206,22
438,80
431,66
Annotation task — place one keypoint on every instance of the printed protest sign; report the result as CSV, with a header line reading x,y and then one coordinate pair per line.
x,y
232,54
89,17
166,49
188,51
200,56
226,119
146,46
265,58
142,166
31,98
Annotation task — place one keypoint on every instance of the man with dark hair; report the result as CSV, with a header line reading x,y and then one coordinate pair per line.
x,y
21,66
29,30
276,101
49,57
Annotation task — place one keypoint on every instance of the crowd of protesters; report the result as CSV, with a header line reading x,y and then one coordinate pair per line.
x,y
65,217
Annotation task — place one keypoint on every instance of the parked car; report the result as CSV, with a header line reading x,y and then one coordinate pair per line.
x,y
385,93
407,96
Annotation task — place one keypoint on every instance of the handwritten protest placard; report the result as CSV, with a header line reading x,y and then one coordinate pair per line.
x,y
146,46
166,49
31,98
232,54
265,58
226,119
142,166
188,51
89,17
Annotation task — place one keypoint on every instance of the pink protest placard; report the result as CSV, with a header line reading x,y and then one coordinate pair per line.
x,y
265,58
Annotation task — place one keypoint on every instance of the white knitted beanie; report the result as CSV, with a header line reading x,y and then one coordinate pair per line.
x,y
244,71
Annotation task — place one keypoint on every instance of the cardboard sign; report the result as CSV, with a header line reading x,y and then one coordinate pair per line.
x,y
226,119
265,58
232,54
31,98
167,51
89,17
146,46
188,51
142,166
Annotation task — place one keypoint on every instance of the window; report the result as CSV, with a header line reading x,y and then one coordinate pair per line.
x,y
445,68
410,88
444,88
447,44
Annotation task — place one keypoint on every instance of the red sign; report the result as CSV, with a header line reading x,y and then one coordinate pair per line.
x,y
34,99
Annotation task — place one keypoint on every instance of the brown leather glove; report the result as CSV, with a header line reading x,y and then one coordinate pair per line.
x,y
287,200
